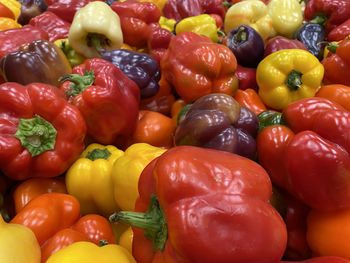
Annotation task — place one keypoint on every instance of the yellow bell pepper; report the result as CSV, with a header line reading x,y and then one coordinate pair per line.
x,y
14,6
167,23
204,25
287,16
73,57
127,170
126,238
89,179
88,252
18,244
95,27
8,23
253,13
288,75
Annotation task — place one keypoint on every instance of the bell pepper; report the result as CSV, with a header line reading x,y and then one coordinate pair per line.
x,y
31,9
27,190
186,8
18,244
8,23
328,232
337,64
139,67
279,42
106,97
66,9
154,128
337,93
135,18
41,133
89,179
250,99
95,27
11,40
126,238
195,66
218,121
73,57
126,172
54,26
158,41
6,12
92,228
288,75
334,12
186,188
246,78
326,259
90,253
167,23
14,6
244,40
339,32
204,25
312,151
37,61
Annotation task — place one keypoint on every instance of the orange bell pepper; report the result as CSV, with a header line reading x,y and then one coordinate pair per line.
x,y
154,128
337,93
176,109
33,187
250,99
328,233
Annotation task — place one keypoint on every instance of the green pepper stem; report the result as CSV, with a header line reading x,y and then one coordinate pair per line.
x,y
36,135
332,46
98,154
320,19
79,82
102,242
153,222
241,35
293,80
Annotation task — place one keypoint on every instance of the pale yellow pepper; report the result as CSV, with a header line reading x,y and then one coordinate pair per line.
x,y
127,170
89,179
18,244
87,252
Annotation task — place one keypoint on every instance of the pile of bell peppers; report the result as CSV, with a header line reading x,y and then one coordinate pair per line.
x,y
158,131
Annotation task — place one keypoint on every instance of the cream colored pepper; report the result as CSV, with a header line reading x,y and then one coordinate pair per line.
x,y
95,26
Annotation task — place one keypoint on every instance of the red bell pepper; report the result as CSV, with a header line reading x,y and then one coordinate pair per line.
x,y
195,66
279,42
11,40
54,26
340,32
310,159
334,12
196,197
246,78
135,18
41,134
337,64
106,97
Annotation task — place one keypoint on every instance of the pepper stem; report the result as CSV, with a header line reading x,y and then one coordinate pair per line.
x,y
152,222
332,46
97,41
98,154
320,19
241,35
36,135
294,80
80,83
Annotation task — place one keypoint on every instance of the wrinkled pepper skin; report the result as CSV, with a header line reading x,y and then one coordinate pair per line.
x,y
190,185
11,40
31,9
90,253
218,121
139,67
106,97
317,128
38,61
41,112
158,41
337,64
195,66
54,26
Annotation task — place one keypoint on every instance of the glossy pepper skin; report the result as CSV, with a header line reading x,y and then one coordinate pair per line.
x,y
210,69
279,42
12,39
312,151
14,6
38,112
158,41
250,99
54,26
31,9
340,32
244,40
288,75
139,67
38,61
8,23
66,9
135,19
184,189
334,11
5,11
313,36
106,97
337,93
218,121
246,78
337,64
